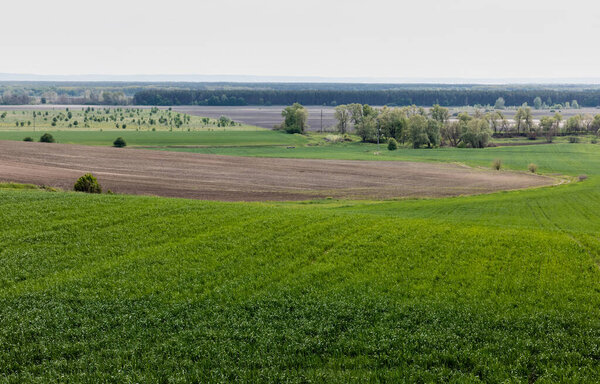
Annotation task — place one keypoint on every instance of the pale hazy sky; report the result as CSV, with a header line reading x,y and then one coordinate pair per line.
x,y
374,38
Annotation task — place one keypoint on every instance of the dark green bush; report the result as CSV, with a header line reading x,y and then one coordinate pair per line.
x,y
47,138
392,144
87,183
28,138
573,139
119,143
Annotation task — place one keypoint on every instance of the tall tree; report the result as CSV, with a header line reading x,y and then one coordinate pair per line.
x,y
417,125
295,117
440,114
342,115
499,104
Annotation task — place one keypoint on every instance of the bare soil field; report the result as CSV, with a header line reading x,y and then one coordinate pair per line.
x,y
228,178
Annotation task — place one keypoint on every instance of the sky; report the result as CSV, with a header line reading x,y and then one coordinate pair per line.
x,y
375,39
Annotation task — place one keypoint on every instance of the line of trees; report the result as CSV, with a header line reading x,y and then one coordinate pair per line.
x,y
413,125
420,128
404,97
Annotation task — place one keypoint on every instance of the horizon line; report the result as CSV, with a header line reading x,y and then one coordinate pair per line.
x,y
235,78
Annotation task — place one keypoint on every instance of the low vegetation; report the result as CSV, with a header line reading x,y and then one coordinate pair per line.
x,y
532,168
88,184
497,164
47,138
119,143
392,144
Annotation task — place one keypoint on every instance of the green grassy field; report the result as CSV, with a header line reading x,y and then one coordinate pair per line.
x,y
263,138
113,118
574,158
143,127
493,288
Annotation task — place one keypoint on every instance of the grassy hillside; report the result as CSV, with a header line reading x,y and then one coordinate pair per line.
x,y
493,288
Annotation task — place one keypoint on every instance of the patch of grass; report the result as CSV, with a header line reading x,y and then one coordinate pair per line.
x,y
166,138
18,186
227,290
551,158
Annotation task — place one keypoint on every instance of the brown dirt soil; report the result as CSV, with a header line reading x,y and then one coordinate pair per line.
x,y
210,177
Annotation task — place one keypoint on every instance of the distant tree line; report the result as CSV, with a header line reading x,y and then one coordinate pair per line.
x,y
443,97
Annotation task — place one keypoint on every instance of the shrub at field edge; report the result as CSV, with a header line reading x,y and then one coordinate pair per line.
x,y
87,183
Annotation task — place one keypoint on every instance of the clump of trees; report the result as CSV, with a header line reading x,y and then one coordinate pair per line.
x,y
294,119
413,125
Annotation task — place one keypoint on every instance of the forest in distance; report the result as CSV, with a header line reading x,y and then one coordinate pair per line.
x,y
309,94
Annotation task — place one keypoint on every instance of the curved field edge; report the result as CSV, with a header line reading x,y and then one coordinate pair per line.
x,y
563,158
140,288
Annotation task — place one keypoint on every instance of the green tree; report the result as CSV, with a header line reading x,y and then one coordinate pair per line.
x,y
433,133
392,144
451,132
574,124
87,183
440,114
46,138
119,143
294,118
500,103
596,123
417,126
367,128
356,113
547,125
537,103
524,119
476,133
393,123
342,114
557,120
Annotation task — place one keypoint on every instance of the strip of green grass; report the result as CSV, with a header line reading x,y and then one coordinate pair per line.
x,y
165,138
551,158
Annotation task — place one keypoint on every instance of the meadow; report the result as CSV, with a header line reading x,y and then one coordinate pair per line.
x,y
502,287
113,118
162,139
138,127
